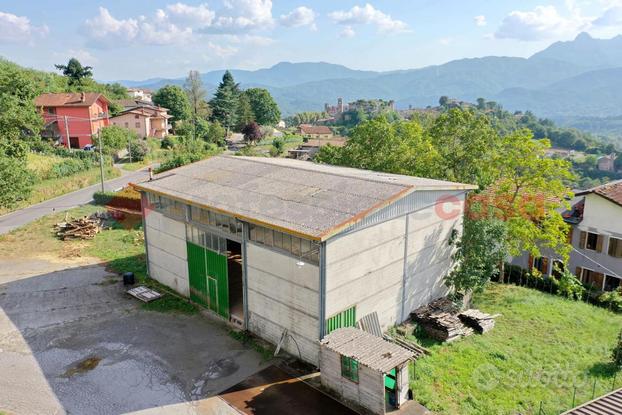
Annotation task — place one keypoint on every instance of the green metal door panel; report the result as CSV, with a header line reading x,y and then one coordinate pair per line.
x,y
213,294
197,273
217,269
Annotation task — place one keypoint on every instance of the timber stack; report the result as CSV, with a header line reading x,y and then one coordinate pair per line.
x,y
82,228
479,321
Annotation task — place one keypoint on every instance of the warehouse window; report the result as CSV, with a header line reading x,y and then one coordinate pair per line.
x,y
350,368
167,206
293,245
346,318
206,239
224,223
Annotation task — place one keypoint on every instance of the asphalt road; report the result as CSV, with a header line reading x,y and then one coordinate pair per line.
x,y
67,201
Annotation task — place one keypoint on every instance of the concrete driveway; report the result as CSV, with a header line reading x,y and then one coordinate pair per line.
x,y
72,342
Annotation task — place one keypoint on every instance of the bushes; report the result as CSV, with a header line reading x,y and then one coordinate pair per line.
x,y
114,138
15,181
169,142
138,150
611,300
278,147
103,198
70,167
616,353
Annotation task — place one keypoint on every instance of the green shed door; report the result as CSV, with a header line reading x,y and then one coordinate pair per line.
x,y
209,282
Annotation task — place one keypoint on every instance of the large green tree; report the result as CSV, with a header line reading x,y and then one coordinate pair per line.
x,y
175,100
225,102
264,107
199,109
75,72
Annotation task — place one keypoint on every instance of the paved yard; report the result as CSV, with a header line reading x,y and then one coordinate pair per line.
x,y
71,342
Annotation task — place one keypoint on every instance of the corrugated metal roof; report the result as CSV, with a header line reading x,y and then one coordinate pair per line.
x,y
610,404
369,350
301,197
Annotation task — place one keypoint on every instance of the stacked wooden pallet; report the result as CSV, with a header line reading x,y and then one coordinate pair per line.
x,y
82,228
479,321
445,327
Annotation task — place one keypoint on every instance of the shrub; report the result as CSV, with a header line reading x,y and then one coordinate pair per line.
x,y
70,167
138,149
169,142
15,181
103,198
114,138
278,146
611,300
570,286
178,159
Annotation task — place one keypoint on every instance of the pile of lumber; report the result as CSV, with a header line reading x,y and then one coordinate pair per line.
x,y
442,320
82,228
445,327
480,322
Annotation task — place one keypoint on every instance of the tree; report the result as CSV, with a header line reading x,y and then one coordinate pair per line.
x,y
443,101
480,251
18,116
196,97
244,114
175,100
265,109
481,104
467,144
115,138
216,134
225,102
252,132
15,181
75,72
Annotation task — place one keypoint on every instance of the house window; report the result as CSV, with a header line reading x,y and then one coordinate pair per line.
x,y
127,124
137,125
615,247
136,116
541,264
224,223
558,268
350,368
50,110
611,283
592,278
591,241
167,206
346,318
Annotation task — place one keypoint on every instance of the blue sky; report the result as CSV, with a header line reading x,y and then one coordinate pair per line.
x,y
141,39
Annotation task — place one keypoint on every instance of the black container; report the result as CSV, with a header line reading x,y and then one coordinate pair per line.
x,y
128,278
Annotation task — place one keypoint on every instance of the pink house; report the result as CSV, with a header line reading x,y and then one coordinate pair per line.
x,y
74,118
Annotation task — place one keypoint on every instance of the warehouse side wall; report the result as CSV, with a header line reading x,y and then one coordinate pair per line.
x,y
283,295
370,267
166,247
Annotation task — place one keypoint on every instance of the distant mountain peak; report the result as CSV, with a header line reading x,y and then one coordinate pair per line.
x,y
583,36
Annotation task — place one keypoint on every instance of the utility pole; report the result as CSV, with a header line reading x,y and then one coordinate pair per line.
x,y
101,158
129,147
66,132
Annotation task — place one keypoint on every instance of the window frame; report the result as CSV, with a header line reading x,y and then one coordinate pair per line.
x,y
618,247
587,240
350,368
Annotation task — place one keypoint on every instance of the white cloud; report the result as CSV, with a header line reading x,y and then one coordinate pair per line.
x,y
242,16
221,51
18,29
105,30
369,15
542,23
200,15
480,20
446,40
300,16
347,32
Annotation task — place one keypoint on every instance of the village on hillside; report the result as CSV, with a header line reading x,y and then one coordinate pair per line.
x,y
192,246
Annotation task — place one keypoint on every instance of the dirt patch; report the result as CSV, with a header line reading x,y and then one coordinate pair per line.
x,y
108,280
82,366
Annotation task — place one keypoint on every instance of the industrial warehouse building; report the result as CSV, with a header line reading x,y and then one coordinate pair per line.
x,y
292,250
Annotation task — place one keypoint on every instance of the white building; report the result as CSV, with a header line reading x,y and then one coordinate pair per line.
x,y
596,238
293,250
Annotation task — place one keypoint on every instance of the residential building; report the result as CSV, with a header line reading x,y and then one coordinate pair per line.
x,y
73,118
145,120
291,250
315,131
596,238
140,93
607,163
308,150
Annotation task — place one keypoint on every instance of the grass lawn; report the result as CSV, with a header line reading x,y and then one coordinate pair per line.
x,y
541,346
121,247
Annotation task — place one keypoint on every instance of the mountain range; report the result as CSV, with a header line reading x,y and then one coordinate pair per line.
x,y
582,77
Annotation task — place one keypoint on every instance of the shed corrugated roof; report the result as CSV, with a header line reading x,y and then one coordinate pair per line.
x,y
369,350
300,197
610,404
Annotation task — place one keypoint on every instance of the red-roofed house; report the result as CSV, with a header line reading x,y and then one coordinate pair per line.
x,y
315,131
74,118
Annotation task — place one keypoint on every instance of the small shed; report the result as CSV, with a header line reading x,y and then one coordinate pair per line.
x,y
364,369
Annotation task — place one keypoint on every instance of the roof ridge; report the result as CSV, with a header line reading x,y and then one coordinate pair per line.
x,y
259,160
